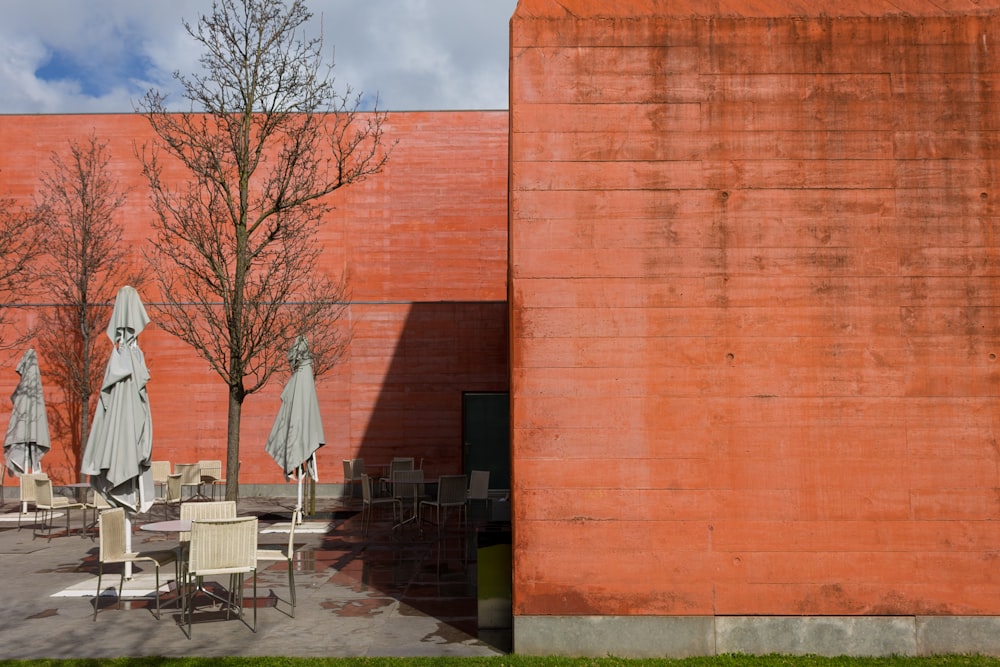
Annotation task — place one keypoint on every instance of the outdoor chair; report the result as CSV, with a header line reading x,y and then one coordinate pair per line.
x,y
194,511
219,483
27,482
47,504
479,492
370,502
160,471
451,494
171,496
190,478
398,464
284,555
96,503
111,539
407,488
353,470
211,475
222,547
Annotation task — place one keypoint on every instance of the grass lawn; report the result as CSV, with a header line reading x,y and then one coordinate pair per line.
x,y
523,661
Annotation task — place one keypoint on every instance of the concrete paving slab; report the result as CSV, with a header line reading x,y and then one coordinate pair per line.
x,y
389,594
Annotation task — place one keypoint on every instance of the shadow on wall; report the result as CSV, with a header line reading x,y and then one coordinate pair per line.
x,y
442,350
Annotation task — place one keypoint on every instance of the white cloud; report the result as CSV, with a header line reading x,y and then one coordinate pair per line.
x,y
416,54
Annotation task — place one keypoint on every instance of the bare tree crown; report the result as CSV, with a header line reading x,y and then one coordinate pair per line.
x,y
266,139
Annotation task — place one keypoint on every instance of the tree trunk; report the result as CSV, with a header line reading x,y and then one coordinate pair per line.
x,y
84,434
233,444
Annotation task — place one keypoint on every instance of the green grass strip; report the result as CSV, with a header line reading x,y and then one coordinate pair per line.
x,y
523,661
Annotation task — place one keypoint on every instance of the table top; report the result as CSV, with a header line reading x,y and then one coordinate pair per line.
x,y
78,485
171,526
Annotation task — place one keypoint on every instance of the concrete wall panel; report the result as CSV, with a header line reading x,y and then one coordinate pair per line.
x,y
753,310
424,246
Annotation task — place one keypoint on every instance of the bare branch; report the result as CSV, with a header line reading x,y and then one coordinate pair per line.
x,y
266,140
86,262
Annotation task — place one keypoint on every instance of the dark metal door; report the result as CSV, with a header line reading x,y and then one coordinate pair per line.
x,y
486,435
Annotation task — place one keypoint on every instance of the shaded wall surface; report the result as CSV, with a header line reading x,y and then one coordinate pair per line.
x,y
424,246
754,275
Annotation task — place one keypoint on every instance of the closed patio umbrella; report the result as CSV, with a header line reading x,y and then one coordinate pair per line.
x,y
298,430
28,431
27,437
118,456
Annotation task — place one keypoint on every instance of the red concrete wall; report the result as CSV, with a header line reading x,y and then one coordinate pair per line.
x,y
754,307
425,247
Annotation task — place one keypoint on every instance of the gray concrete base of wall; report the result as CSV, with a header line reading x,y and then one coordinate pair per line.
x,y
686,636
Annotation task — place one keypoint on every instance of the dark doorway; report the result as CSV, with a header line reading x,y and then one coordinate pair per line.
x,y
486,435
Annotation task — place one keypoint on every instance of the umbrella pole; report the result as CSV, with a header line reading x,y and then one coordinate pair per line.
x,y
298,501
128,545
312,496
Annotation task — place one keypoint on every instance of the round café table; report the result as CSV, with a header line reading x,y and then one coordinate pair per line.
x,y
169,526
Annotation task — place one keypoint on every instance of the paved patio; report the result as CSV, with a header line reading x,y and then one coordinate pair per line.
x,y
393,593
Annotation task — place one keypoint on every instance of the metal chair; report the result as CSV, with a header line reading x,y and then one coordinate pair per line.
x,y
398,464
479,491
194,511
408,487
160,471
285,555
353,470
451,493
96,503
211,475
46,504
27,484
370,502
111,540
172,494
222,547
190,478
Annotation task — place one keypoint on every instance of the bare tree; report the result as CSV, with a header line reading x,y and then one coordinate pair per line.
x,y
267,139
20,247
78,204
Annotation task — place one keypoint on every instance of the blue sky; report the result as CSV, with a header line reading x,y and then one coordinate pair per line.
x,y
91,56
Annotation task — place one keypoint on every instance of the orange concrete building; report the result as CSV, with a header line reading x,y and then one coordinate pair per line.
x,y
737,264
425,248
754,289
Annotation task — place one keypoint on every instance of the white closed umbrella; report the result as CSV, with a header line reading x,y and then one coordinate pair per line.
x,y
118,456
298,429
27,438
